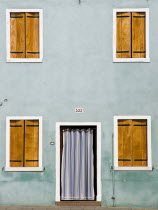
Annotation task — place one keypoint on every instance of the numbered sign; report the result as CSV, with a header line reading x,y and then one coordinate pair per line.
x,y
79,110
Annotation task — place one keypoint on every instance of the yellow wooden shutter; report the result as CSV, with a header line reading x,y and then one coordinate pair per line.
x,y
139,142
16,143
123,35
17,35
138,35
132,143
32,35
31,143
124,143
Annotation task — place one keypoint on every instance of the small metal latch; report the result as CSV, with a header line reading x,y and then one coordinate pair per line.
x,y
52,143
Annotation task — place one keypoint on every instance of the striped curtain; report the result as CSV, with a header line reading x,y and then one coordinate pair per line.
x,y
77,170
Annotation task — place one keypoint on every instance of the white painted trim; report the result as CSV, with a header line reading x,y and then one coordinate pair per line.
x,y
131,10
133,168
24,10
124,60
25,60
137,117
116,167
8,168
98,124
24,169
131,60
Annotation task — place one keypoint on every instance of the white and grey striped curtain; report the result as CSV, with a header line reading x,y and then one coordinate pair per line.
x,y
77,170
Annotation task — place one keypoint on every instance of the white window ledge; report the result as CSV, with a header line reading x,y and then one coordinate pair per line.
x,y
24,60
131,60
133,168
24,168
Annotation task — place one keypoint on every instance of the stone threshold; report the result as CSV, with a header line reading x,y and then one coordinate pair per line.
x,y
78,203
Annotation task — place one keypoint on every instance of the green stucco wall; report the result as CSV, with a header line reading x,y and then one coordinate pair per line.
x,y
78,71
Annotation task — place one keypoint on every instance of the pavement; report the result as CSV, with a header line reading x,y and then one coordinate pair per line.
x,y
66,208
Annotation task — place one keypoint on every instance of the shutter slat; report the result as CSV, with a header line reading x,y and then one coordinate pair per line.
x,y
124,143
16,143
31,143
123,35
120,146
138,35
140,143
127,145
32,35
17,35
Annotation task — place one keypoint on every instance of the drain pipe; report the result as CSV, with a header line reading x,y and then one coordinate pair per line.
x,y
113,174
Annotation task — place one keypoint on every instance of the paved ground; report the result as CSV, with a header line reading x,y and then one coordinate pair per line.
x,y
66,208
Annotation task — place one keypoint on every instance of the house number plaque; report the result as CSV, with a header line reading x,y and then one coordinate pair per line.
x,y
79,110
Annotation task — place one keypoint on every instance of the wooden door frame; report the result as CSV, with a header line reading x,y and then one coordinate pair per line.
x,y
98,126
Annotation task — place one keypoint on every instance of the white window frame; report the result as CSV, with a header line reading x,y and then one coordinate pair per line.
x,y
8,168
147,59
131,168
35,60
98,125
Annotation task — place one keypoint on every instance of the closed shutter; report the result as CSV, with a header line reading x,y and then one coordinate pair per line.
x,y
138,35
16,143
123,35
17,35
132,142
139,143
32,35
31,143
124,143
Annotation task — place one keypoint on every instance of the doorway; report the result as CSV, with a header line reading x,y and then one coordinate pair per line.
x,y
78,162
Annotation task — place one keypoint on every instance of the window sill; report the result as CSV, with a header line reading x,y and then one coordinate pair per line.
x,y
24,60
24,168
117,168
131,60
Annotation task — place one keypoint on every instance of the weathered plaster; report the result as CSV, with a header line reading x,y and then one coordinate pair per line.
x,y
77,71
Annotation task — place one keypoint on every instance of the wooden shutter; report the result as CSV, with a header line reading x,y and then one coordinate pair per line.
x,y
139,142
16,143
132,143
124,143
17,35
32,35
138,35
31,143
123,35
